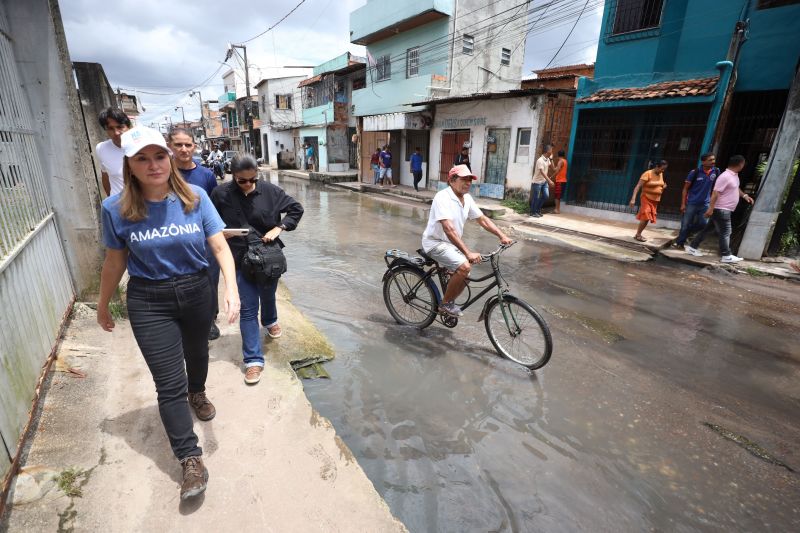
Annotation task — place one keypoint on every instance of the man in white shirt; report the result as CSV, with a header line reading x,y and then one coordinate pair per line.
x,y
540,181
109,152
442,237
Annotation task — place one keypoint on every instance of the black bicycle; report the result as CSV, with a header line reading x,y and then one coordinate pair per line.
x,y
517,331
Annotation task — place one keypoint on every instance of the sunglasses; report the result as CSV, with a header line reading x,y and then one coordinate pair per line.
x,y
242,181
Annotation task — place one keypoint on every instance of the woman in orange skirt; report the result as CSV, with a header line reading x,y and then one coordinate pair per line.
x,y
652,185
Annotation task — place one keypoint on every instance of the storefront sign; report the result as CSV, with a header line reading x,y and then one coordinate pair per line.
x,y
453,123
397,121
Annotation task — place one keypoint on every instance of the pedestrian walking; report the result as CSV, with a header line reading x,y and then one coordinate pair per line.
x,y
247,202
560,179
724,199
386,166
462,158
540,182
181,142
375,164
109,152
652,185
416,167
158,229
695,197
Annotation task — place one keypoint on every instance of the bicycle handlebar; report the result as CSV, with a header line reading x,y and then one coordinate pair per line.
x,y
500,249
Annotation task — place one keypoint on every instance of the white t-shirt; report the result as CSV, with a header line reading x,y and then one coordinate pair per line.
x,y
110,156
446,206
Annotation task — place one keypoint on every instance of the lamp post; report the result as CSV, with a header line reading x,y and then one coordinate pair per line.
x,y
248,115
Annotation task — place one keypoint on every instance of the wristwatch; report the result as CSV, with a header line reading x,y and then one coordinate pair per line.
x,y
283,227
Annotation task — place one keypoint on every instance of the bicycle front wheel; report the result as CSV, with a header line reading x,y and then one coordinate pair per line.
x,y
410,298
518,332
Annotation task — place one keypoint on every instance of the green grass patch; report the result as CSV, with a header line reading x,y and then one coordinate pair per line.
x,y
69,482
518,205
755,272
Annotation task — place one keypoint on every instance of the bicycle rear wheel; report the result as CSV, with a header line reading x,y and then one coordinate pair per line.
x,y
519,334
409,298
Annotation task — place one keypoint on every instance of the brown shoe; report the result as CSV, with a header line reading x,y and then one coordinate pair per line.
x,y
203,408
253,374
195,477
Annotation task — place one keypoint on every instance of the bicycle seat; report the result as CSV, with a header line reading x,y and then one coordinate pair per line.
x,y
428,259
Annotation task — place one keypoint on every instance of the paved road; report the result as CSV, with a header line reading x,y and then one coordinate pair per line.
x,y
657,370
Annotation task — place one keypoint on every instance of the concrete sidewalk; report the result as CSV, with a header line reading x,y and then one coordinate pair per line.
x,y
274,463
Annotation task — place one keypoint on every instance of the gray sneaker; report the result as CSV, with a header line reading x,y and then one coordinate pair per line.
x,y
730,259
450,308
693,251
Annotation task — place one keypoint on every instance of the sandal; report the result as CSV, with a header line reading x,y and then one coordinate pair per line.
x,y
639,238
274,331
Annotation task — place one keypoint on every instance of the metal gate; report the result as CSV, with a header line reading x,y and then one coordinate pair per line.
x,y
36,290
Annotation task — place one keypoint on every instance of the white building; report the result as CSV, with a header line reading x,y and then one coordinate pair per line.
x,y
281,114
504,133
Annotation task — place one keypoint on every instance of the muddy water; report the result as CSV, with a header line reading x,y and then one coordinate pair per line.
x,y
613,435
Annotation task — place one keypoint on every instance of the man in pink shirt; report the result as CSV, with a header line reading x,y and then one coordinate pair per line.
x,y
724,199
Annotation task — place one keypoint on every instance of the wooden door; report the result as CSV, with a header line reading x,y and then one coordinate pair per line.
x,y
452,142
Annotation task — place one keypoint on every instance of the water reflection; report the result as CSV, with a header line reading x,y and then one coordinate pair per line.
x,y
606,437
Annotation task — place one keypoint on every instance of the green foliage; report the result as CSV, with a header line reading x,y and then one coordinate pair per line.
x,y
755,272
68,482
518,205
790,240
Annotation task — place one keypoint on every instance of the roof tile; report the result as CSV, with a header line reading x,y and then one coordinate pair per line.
x,y
666,89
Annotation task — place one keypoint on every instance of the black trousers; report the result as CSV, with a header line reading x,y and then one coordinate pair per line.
x,y
170,320
417,178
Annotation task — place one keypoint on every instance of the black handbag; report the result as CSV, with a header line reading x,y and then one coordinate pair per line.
x,y
263,262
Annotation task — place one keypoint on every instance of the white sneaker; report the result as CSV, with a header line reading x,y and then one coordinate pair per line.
x,y
731,259
693,251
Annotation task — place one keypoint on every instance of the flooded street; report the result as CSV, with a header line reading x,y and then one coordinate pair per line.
x,y
671,402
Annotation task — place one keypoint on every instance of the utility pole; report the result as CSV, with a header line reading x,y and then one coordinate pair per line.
x,y
202,117
248,114
183,116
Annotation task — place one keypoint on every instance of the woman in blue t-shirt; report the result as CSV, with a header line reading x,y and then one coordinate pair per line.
x,y
158,228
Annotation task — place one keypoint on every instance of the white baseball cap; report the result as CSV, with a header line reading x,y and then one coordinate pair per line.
x,y
137,138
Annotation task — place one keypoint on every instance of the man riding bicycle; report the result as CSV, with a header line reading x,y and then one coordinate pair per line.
x,y
442,237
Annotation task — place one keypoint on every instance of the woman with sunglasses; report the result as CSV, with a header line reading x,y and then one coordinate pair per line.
x,y
158,228
248,203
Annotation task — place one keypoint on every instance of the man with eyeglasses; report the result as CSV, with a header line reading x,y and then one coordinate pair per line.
x,y
109,152
441,240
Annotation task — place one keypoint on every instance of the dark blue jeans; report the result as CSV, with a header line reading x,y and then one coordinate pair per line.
x,y
170,320
539,193
692,221
722,222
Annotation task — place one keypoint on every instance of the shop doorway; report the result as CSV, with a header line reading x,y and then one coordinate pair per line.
x,y
369,141
452,142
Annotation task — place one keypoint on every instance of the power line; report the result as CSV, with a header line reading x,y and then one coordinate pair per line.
x,y
568,35
273,26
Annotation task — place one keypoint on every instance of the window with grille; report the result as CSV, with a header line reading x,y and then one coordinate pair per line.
x,y
384,68
283,101
412,62
467,44
523,145
635,15
505,56
417,139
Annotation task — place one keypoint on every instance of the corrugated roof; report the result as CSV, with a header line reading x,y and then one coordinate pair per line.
x,y
513,93
666,89
309,81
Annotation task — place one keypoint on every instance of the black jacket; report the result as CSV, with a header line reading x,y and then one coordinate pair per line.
x,y
260,210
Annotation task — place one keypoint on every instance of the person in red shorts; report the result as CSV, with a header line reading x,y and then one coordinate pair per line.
x,y
560,179
652,185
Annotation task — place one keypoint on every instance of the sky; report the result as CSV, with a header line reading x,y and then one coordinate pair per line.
x,y
145,48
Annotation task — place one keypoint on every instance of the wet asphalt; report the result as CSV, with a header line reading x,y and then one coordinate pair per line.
x,y
671,402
